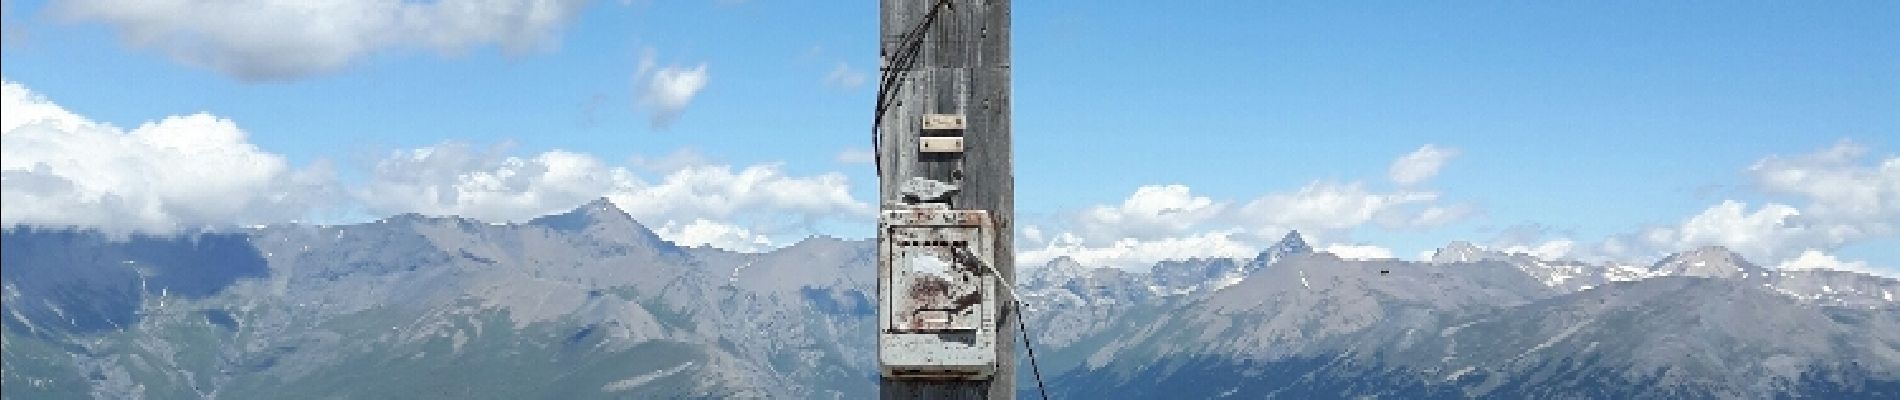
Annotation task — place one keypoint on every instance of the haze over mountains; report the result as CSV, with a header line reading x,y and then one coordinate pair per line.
x,y
590,303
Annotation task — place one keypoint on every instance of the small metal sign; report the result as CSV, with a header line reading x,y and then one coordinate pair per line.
x,y
940,122
933,144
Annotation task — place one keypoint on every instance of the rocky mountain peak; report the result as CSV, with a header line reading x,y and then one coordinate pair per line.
x,y
1288,245
1459,251
1707,261
602,207
1292,243
597,212
1066,266
1054,273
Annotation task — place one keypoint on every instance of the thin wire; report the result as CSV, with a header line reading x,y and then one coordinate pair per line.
x,y
1033,368
908,47
1010,287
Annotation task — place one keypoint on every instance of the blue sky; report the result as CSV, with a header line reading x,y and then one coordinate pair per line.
x,y
1586,122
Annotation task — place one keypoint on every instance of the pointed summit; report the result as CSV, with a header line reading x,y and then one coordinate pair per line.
x,y
602,206
597,212
603,222
1707,261
1293,242
1058,271
1289,245
1067,265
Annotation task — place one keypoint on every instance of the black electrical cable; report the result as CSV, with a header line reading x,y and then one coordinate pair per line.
x,y
962,255
1033,368
908,47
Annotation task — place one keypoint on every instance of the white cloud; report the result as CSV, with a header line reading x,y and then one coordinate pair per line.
x,y
1152,212
695,204
1326,206
1162,222
856,156
1358,251
453,179
845,77
1138,254
1763,234
1835,185
287,39
1838,200
751,209
702,232
1420,165
717,192
1816,259
62,169
1549,250
1029,234
666,91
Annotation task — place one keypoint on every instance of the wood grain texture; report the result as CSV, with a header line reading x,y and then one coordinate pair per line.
x,y
964,69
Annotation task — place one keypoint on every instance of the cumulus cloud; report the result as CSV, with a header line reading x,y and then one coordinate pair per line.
x,y
701,232
666,91
1029,234
1162,222
63,169
693,204
184,172
1420,165
1836,185
1151,212
1553,249
718,192
288,39
1816,259
455,179
1765,233
1834,197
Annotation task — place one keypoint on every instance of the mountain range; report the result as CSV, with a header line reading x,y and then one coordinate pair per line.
x,y
592,304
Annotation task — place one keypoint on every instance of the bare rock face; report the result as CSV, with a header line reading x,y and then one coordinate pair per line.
x,y
591,304
1710,262
583,304
1459,252
1475,323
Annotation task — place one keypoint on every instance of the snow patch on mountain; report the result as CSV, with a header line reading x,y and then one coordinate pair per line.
x,y
642,379
1459,252
1820,286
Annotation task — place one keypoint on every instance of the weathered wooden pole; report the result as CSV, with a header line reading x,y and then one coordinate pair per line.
x,y
950,59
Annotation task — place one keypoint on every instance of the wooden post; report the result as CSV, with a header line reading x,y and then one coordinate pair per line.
x,y
962,68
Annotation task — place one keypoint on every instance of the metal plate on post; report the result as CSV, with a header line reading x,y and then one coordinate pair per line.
x,y
939,312
942,122
930,144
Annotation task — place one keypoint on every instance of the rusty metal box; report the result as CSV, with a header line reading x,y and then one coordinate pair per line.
x,y
937,293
